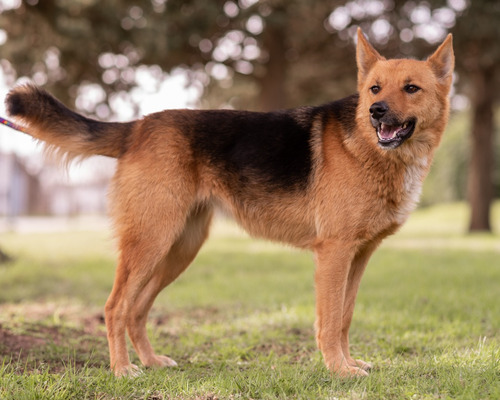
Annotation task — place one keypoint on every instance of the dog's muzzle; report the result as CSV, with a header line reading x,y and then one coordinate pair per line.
x,y
391,131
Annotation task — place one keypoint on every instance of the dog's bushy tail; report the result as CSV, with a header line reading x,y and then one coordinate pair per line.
x,y
66,133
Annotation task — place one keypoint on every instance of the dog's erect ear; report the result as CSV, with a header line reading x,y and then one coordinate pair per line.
x,y
366,56
442,61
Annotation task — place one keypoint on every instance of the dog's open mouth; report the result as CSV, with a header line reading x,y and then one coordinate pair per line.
x,y
392,136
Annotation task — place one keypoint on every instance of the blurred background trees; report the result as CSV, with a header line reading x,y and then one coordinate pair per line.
x,y
3,257
262,55
477,34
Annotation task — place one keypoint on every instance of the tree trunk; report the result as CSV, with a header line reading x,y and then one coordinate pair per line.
x,y
480,184
4,257
272,84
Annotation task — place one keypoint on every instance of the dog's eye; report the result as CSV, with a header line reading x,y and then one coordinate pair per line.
x,y
411,89
375,89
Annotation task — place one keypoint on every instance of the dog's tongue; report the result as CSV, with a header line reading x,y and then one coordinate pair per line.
x,y
387,132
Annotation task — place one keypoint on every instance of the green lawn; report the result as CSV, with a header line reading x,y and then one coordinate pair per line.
x,y
239,322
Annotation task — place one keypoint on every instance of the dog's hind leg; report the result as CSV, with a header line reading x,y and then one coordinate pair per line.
x,y
180,255
150,211
136,266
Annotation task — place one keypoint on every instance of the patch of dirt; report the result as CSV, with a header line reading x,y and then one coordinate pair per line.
x,y
28,346
55,336
16,344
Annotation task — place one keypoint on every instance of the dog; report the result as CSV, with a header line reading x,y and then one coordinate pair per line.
x,y
335,179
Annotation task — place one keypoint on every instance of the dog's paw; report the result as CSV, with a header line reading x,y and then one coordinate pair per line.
x,y
365,366
348,371
130,371
160,362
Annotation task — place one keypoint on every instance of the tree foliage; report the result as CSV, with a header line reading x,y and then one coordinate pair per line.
x,y
63,44
282,53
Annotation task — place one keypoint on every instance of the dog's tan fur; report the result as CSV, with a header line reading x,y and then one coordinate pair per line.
x,y
355,192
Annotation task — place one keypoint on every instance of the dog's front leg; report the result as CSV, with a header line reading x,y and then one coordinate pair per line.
x,y
356,271
333,263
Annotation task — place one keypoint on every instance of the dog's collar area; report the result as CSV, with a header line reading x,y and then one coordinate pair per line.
x,y
391,136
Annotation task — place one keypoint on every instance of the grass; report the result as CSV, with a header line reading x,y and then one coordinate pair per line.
x,y
239,321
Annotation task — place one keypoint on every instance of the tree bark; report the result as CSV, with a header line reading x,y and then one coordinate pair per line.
x,y
272,94
480,184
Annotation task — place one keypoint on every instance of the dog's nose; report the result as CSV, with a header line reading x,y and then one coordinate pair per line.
x,y
378,109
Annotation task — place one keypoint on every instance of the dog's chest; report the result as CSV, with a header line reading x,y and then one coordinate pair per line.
x,y
412,189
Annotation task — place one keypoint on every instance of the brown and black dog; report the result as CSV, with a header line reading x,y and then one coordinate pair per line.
x,y
335,179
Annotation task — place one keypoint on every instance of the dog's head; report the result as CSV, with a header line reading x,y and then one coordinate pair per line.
x,y
403,101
